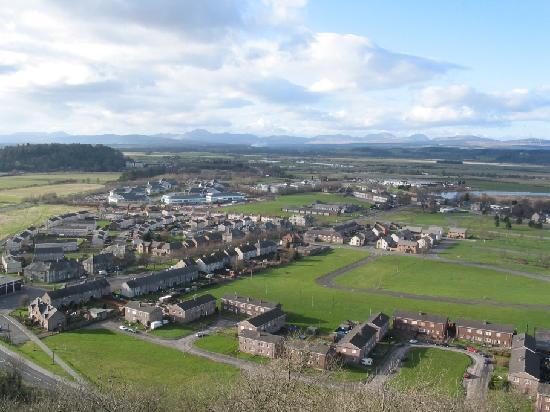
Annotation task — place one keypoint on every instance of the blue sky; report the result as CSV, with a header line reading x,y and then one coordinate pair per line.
x,y
276,67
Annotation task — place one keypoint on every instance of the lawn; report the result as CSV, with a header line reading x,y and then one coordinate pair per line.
x,y
42,179
226,342
179,330
17,219
32,352
308,303
520,253
108,358
429,277
20,194
436,369
274,207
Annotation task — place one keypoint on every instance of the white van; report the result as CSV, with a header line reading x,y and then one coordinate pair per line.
x,y
366,361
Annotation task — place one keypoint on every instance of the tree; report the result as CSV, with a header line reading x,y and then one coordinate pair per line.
x,y
508,224
497,220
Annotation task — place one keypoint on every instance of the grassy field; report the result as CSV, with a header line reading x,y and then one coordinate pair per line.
x,y
20,194
520,253
435,369
274,207
108,358
43,179
178,330
225,342
17,219
32,352
308,303
429,277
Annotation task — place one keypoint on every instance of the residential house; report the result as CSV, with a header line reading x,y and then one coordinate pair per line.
x,y
419,323
46,315
47,253
542,403
524,368
381,322
270,321
265,247
102,262
386,243
358,240
313,355
483,332
407,246
457,233
211,262
76,294
260,343
53,272
143,313
11,263
324,235
246,252
164,248
542,338
245,305
159,280
357,343
193,309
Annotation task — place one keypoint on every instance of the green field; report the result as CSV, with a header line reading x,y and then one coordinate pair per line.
x,y
179,330
20,194
17,219
308,303
108,358
226,342
433,369
430,277
274,207
520,253
43,179
32,352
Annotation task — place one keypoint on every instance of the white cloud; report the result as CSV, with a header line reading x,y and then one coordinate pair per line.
x,y
125,66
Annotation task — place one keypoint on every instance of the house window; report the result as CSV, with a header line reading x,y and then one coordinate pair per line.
x,y
344,350
516,380
413,322
498,334
487,333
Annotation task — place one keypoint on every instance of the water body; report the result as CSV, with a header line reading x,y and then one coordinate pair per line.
x,y
495,193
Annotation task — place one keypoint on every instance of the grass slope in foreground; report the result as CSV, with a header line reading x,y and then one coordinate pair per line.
x,y
430,277
308,303
432,369
107,358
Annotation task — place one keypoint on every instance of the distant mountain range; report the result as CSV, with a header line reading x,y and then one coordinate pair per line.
x,y
204,137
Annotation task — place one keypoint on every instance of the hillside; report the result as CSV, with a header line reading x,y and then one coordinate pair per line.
x,y
60,157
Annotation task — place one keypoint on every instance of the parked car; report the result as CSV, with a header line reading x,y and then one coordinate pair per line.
x,y
366,361
201,334
122,327
413,341
471,349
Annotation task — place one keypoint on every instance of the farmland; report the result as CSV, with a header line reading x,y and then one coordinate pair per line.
x,y
307,303
433,278
44,179
432,369
16,219
107,358
21,194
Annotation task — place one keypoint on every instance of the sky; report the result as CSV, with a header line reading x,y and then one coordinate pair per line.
x,y
293,67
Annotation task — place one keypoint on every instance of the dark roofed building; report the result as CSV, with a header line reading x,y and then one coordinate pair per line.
x,y
260,343
381,322
76,294
54,271
270,321
246,305
193,309
159,280
486,333
144,313
357,343
431,326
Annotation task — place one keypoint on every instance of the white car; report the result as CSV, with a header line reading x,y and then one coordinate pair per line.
x,y
366,361
201,334
122,327
413,341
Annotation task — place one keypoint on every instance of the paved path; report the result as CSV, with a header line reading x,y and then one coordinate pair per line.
x,y
45,348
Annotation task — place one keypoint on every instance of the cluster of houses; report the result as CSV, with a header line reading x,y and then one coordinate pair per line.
x,y
323,209
392,237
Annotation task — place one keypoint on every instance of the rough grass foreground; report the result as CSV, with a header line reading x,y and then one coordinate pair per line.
x,y
273,389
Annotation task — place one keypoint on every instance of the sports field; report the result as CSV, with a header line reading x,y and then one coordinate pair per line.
x,y
274,207
430,277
